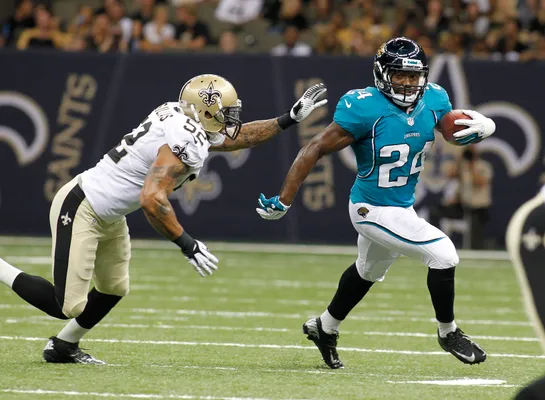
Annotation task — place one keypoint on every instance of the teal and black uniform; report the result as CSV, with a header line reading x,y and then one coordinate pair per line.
x,y
391,144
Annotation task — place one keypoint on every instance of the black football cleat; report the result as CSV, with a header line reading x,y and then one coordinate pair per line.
x,y
326,343
460,346
60,351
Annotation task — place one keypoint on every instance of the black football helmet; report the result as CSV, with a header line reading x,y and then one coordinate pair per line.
x,y
400,54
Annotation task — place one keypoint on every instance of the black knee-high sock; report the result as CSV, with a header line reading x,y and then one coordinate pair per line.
x,y
352,288
97,307
38,292
441,287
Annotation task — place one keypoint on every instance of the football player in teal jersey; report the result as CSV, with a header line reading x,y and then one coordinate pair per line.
x,y
390,127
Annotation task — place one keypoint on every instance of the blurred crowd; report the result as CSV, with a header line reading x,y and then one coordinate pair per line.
x,y
466,199
491,29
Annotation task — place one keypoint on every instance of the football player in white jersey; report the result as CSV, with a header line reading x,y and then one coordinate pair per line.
x,y
87,217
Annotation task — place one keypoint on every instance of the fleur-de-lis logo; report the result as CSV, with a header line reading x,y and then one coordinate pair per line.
x,y
180,152
65,219
209,95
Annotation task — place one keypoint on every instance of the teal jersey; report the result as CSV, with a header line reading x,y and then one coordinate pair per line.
x,y
391,145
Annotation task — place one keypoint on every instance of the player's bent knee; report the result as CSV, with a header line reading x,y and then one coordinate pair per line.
x,y
74,310
445,261
370,275
442,255
119,288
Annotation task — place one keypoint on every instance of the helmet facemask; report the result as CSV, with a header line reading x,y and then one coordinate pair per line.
x,y
229,117
401,94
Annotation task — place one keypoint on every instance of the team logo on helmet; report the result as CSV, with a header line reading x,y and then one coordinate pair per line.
x,y
209,95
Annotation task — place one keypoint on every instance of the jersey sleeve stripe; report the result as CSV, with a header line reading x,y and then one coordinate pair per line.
x,y
373,150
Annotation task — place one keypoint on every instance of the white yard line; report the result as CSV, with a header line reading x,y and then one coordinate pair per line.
x,y
125,395
268,346
254,248
264,314
324,371
429,335
49,321
29,260
399,316
461,382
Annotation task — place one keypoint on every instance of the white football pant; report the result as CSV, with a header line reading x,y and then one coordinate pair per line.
x,y
385,233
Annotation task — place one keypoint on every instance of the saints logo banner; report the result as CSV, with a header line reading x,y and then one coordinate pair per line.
x,y
52,129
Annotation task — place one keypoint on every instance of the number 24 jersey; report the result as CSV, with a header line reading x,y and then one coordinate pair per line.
x,y
391,144
113,186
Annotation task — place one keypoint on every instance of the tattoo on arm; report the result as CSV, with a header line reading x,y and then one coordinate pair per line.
x,y
160,182
251,134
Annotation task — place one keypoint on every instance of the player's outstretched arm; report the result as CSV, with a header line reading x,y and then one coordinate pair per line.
x,y
254,133
331,139
251,134
160,182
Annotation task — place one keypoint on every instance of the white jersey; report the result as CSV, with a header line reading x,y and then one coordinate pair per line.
x,y
113,186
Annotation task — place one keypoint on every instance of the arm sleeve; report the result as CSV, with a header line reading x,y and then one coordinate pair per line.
x,y
183,144
348,116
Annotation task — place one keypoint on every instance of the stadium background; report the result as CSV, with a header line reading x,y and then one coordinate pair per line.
x,y
68,98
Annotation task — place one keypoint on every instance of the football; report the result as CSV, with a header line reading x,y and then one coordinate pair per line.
x,y
448,128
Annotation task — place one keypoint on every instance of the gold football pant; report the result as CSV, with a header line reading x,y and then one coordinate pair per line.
x,y
86,248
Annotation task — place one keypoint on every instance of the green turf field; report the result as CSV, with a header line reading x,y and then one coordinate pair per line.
x,y
237,334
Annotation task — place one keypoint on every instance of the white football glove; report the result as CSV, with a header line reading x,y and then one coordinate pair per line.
x,y
308,102
202,260
478,128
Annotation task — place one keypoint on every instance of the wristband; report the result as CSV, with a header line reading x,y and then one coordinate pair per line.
x,y
185,242
285,121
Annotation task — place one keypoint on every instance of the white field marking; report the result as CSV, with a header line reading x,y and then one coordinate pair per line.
x,y
461,382
29,260
255,248
169,319
252,300
376,300
429,335
49,321
325,371
147,282
125,395
375,297
25,306
168,286
47,261
264,314
269,346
